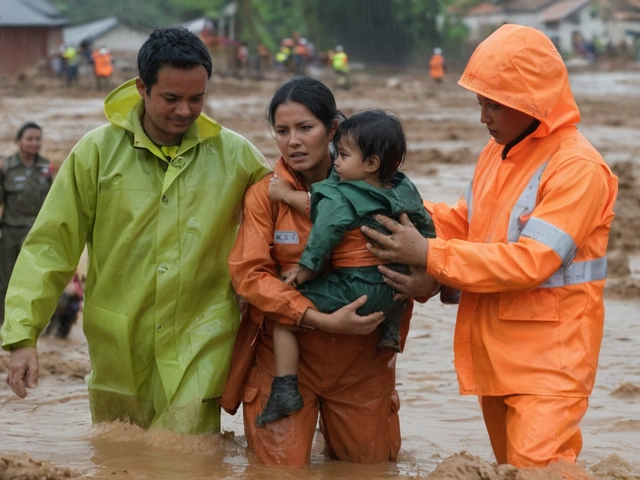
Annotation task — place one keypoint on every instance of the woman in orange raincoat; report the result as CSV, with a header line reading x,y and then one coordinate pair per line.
x,y
526,244
341,374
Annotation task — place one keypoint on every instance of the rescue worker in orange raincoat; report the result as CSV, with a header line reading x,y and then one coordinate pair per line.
x,y
342,376
526,244
102,66
436,65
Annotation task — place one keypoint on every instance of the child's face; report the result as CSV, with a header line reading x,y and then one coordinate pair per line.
x,y
505,124
349,164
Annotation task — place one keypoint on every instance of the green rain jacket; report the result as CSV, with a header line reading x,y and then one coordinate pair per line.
x,y
160,315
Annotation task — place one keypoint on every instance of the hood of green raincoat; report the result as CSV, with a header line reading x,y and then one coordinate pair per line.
x,y
124,107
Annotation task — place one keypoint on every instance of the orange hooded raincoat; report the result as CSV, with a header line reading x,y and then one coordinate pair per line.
x,y
527,241
344,378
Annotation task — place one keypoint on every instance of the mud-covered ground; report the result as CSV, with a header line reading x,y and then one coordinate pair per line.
x,y
49,435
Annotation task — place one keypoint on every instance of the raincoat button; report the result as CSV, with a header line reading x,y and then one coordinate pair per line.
x,y
158,327
178,162
165,199
162,268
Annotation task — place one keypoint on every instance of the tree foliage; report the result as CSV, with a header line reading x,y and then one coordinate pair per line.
x,y
373,31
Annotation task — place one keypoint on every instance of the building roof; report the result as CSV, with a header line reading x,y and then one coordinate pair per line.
x,y
198,25
561,10
30,13
514,6
76,34
526,5
484,8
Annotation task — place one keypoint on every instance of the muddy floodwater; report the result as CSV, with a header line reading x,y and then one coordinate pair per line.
x,y
50,435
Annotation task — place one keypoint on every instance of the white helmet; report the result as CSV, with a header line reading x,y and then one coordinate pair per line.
x,y
339,48
437,51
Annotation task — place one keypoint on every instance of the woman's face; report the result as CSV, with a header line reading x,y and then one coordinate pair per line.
x,y
303,140
505,124
30,142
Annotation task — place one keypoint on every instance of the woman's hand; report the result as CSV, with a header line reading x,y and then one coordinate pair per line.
x,y
344,320
405,244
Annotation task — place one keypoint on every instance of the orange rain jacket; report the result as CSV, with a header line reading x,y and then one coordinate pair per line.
x,y
102,65
342,370
436,66
527,241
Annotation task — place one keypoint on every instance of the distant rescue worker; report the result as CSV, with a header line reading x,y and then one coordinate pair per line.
x,y
436,65
102,66
71,62
284,56
340,63
527,245
242,60
264,58
25,180
301,56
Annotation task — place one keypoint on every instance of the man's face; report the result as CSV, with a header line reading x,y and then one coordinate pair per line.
x,y
174,103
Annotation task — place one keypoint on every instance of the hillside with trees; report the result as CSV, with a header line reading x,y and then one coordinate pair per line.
x,y
395,32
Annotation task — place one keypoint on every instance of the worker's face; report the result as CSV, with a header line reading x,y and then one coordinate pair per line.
x,y
303,140
505,124
30,142
174,102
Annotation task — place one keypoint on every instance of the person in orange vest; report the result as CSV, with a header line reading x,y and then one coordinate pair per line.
x,y
436,65
102,66
526,243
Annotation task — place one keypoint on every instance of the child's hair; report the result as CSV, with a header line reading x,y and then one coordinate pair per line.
x,y
376,132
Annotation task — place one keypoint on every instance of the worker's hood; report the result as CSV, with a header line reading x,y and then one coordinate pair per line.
x,y
520,67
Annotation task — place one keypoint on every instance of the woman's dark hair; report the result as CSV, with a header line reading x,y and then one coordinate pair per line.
x,y
311,93
173,47
26,127
376,132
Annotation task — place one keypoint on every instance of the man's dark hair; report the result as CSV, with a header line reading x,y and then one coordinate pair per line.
x,y
376,132
173,47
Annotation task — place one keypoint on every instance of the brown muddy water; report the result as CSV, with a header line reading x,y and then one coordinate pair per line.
x,y
49,434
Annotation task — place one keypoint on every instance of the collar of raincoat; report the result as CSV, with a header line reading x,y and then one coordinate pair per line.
x,y
285,171
124,108
520,67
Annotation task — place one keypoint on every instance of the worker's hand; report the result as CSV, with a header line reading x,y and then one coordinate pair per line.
x,y
416,284
23,370
405,244
279,189
344,320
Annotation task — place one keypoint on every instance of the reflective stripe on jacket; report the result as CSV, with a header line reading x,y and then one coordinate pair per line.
x,y
527,241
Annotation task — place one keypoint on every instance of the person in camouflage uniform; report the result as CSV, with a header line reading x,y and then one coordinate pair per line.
x,y
25,180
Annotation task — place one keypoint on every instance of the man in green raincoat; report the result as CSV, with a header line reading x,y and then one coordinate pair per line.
x,y
156,196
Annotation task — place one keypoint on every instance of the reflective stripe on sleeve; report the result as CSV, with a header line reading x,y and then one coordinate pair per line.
x,y
551,236
578,272
468,197
523,208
